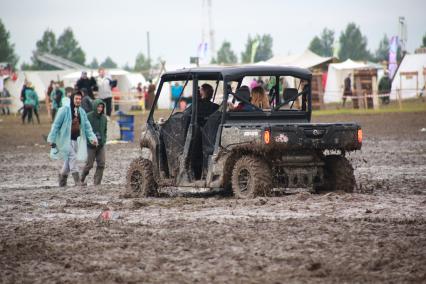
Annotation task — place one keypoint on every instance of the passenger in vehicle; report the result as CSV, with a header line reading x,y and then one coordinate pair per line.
x,y
259,98
244,93
205,106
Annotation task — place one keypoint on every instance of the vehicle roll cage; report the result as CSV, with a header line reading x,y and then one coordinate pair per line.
x,y
237,74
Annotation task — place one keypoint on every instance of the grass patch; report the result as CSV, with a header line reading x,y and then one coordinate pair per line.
x,y
413,105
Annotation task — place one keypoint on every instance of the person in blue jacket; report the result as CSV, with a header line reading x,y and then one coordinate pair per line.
x,y
68,137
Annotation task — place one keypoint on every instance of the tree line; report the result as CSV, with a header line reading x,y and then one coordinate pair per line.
x,y
351,44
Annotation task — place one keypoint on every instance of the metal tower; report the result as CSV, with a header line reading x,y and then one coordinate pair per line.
x,y
211,30
207,31
402,31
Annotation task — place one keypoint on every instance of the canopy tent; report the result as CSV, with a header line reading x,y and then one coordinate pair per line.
x,y
409,77
307,59
337,72
41,80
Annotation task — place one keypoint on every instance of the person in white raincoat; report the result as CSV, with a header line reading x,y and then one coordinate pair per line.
x,y
68,137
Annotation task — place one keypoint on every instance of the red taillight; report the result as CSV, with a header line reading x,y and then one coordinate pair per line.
x,y
267,136
359,136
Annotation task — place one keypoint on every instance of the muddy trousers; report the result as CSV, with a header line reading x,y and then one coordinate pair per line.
x,y
98,154
70,164
28,113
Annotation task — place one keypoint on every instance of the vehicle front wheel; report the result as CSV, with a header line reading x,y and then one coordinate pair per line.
x,y
338,174
251,177
140,179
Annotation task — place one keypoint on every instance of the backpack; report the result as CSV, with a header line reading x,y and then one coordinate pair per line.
x,y
58,98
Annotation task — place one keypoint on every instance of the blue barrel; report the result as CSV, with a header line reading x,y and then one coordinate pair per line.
x,y
126,122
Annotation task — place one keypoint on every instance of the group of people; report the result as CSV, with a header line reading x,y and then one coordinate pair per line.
x,y
384,89
79,128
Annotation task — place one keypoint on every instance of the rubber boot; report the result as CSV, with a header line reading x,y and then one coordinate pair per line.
x,y
76,177
83,178
63,180
98,176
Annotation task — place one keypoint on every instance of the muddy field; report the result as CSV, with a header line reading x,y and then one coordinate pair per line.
x,y
378,234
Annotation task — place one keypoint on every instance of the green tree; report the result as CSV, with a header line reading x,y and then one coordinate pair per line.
x,y
225,54
68,47
142,63
94,64
46,44
108,63
382,53
323,45
65,46
7,49
353,44
263,51
127,67
246,54
316,46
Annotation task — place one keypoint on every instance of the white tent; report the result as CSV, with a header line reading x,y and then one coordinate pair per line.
x,y
41,79
307,59
411,63
337,72
126,81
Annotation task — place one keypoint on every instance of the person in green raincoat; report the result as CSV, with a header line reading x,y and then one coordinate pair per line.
x,y
68,137
30,101
56,96
98,121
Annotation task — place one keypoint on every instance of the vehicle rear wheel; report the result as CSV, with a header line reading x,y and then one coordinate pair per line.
x,y
251,177
338,175
140,179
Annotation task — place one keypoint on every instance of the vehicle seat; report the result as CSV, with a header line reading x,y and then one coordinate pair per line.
x,y
290,93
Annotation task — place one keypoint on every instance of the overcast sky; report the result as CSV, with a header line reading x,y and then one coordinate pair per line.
x,y
118,28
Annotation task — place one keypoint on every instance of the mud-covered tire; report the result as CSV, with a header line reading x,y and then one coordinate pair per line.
x,y
140,180
251,177
338,175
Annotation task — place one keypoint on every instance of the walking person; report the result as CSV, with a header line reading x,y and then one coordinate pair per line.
x,y
36,106
385,86
87,101
104,91
48,102
86,83
68,137
98,121
56,96
347,89
30,101
6,102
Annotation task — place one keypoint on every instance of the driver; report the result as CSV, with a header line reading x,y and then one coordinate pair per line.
x,y
205,106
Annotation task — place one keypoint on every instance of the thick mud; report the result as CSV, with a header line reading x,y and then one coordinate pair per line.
x,y
91,234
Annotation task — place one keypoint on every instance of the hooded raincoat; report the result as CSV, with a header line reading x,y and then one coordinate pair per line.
x,y
98,121
60,133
